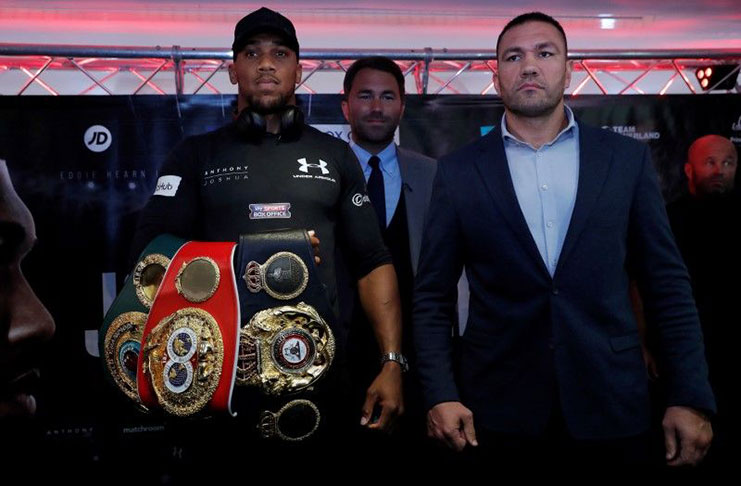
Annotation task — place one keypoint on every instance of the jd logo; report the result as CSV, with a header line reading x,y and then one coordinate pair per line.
x,y
304,166
97,138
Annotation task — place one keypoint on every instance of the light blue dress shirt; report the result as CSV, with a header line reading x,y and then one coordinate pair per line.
x,y
391,174
545,181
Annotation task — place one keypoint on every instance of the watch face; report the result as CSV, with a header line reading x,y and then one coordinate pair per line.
x,y
396,358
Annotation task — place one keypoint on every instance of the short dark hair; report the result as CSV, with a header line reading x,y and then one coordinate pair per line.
x,y
379,63
533,17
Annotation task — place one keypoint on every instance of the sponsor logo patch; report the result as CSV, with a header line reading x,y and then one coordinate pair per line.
x,y
304,166
167,185
270,211
631,131
358,199
231,173
315,171
97,138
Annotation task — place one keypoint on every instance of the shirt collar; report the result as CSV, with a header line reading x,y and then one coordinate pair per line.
x,y
571,127
387,157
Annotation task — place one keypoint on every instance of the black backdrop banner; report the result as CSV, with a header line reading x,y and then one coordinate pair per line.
x,y
86,165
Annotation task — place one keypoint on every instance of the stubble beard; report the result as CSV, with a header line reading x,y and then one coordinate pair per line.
x,y
533,108
710,190
368,135
268,105
536,107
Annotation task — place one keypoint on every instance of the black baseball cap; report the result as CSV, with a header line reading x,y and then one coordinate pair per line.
x,y
260,21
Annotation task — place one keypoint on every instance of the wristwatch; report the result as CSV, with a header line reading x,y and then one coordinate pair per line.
x,y
397,357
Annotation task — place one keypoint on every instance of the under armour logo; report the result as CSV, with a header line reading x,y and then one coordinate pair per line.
x,y
305,166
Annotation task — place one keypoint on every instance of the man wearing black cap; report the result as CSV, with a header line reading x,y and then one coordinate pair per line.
x,y
268,170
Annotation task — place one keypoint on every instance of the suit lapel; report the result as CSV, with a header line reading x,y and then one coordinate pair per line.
x,y
494,171
414,206
594,164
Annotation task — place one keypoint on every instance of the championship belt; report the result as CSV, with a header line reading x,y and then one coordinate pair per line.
x,y
189,343
284,349
119,339
172,339
286,342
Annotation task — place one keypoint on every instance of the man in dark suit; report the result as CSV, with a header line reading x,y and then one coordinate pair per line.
x,y
399,185
551,218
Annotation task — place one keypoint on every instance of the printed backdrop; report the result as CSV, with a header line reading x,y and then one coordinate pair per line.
x,y
86,165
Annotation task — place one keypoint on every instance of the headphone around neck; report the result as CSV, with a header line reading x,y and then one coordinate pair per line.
x,y
252,125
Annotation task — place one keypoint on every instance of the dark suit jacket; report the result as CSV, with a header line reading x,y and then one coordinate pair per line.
x,y
417,174
531,337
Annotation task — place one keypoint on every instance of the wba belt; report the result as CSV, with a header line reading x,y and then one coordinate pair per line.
x,y
286,343
252,314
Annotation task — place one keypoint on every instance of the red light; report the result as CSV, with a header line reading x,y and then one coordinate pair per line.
x,y
700,74
704,83
708,72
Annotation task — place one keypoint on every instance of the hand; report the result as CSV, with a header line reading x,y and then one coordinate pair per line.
x,y
693,432
452,424
652,368
315,244
384,392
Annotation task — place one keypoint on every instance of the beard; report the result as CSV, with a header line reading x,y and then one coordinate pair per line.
x,y
713,188
268,105
532,108
540,103
376,133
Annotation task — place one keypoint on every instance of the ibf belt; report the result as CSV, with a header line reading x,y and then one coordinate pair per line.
x,y
190,339
120,335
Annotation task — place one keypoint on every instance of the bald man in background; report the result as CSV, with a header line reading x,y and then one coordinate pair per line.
x,y
707,226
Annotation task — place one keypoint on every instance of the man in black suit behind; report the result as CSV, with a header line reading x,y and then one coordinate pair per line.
x,y
550,217
399,185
